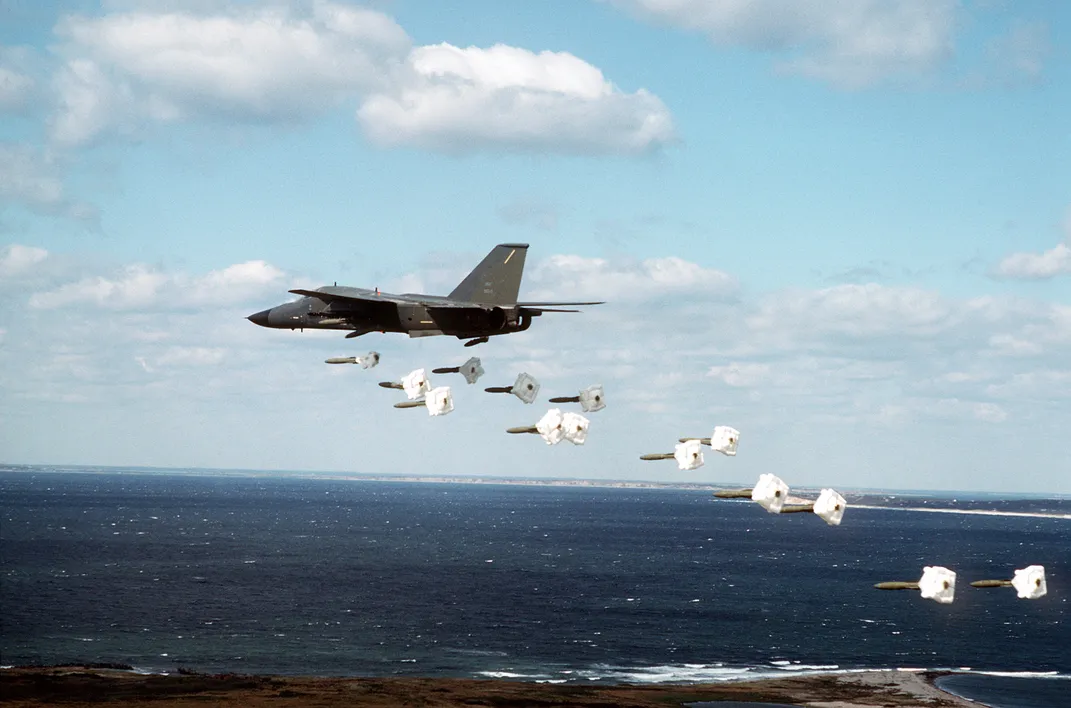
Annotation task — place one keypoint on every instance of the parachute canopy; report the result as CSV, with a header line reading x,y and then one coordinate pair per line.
x,y
472,370
551,426
415,384
439,401
724,440
830,507
1029,582
689,455
938,584
575,427
592,399
526,388
771,492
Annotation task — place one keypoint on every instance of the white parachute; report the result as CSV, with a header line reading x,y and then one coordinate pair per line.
x,y
830,507
770,492
551,426
415,384
575,427
525,387
724,440
472,370
1029,582
938,584
689,455
592,399
439,401
555,426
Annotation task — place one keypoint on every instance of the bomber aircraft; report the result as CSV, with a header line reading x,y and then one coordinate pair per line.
x,y
482,305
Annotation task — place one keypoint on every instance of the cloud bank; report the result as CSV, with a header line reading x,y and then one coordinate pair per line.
x,y
460,100
31,178
1038,266
125,71
816,379
849,43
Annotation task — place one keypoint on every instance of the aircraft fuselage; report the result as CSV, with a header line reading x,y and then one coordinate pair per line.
x,y
394,314
482,305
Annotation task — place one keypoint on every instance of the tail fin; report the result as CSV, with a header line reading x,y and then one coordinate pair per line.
x,y
497,280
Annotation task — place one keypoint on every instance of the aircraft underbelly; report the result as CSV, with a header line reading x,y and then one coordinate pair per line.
x,y
386,319
415,318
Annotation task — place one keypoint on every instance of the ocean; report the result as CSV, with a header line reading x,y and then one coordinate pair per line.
x,y
551,583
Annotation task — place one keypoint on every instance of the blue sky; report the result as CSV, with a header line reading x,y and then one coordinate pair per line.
x,y
842,227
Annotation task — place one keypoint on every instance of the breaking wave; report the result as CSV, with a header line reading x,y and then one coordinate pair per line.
x,y
973,512
722,673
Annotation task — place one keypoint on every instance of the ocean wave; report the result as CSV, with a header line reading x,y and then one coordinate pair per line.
x,y
721,673
517,676
1022,674
683,673
975,512
788,666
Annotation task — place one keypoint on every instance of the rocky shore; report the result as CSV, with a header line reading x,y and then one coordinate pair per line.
x,y
75,686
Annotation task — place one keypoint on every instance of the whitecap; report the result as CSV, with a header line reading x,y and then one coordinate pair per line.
x,y
1025,674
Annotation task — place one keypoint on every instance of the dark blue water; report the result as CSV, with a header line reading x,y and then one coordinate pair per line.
x,y
292,576
1010,691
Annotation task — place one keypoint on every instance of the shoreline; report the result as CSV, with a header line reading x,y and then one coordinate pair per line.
x,y
85,685
480,479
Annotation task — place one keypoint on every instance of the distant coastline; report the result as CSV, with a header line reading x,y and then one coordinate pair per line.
x,y
880,499
27,686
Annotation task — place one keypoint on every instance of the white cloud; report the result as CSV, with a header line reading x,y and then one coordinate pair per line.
x,y
845,355
286,62
17,86
137,286
190,356
252,274
740,374
15,89
141,287
1014,346
271,63
855,311
566,277
30,179
460,100
1037,266
849,43
26,177
16,259
872,386
989,412
1042,384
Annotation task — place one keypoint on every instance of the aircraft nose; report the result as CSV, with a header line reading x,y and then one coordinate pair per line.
x,y
260,318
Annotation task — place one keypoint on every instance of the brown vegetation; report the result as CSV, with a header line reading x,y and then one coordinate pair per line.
x,y
74,687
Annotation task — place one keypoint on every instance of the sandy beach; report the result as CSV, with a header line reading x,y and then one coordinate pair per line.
x,y
82,686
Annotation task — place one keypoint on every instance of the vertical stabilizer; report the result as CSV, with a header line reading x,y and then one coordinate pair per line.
x,y
497,280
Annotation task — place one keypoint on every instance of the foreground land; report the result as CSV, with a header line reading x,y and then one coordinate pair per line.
x,y
83,686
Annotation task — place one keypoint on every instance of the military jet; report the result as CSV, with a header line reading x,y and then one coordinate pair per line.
x,y
484,304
